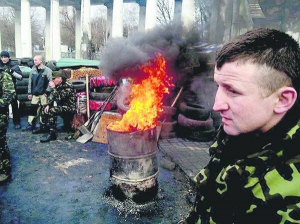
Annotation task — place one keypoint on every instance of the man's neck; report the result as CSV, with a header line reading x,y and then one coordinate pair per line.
x,y
40,66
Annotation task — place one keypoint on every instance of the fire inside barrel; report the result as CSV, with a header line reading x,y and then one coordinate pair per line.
x,y
132,141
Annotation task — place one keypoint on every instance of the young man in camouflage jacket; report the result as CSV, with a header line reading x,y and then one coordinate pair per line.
x,y
14,70
62,101
7,94
254,172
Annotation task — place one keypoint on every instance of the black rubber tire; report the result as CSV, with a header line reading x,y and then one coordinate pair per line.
x,y
79,85
195,124
52,65
167,135
22,97
25,71
21,89
24,107
195,113
25,75
216,118
98,96
23,82
168,114
106,89
25,60
168,126
197,135
202,136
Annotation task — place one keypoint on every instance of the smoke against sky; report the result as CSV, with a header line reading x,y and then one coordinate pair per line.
x,y
124,53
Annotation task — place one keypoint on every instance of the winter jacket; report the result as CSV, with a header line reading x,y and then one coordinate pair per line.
x,y
38,82
7,68
251,179
7,92
65,96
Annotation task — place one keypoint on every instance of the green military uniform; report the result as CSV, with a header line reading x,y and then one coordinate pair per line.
x,y
7,94
251,179
62,101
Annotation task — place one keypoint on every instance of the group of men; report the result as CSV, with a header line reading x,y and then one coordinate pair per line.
x,y
254,171
50,95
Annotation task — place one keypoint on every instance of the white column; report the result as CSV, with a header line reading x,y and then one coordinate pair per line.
x,y
109,19
117,21
86,29
18,41
151,8
0,41
26,29
188,14
48,52
55,42
78,35
177,11
142,18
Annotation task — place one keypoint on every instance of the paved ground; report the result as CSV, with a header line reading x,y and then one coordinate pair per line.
x,y
68,182
190,156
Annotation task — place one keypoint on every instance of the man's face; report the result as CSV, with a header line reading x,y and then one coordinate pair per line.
x,y
37,61
57,81
239,100
4,59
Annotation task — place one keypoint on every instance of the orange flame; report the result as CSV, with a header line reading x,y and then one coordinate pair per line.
x,y
146,103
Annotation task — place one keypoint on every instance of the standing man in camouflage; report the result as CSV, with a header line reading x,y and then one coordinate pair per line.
x,y
62,101
16,74
7,94
254,170
38,89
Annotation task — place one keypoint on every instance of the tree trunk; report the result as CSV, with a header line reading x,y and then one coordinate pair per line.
x,y
214,21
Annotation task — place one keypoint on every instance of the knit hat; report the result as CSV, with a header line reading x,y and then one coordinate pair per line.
x,y
58,74
5,54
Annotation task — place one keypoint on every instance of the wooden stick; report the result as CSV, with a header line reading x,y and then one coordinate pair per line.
x,y
87,95
177,96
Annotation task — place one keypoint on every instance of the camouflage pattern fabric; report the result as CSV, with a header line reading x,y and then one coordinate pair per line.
x,y
264,185
64,97
7,94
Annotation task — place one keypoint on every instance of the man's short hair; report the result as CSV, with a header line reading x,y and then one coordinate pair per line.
x,y
276,52
40,56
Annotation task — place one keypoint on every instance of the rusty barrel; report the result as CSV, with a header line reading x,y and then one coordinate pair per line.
x,y
133,164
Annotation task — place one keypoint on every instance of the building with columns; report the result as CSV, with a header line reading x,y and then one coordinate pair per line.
x,y
147,20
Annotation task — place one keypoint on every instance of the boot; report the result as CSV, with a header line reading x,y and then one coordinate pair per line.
x,y
48,137
42,130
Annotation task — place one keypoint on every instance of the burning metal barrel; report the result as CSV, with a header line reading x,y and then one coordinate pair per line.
x,y
134,167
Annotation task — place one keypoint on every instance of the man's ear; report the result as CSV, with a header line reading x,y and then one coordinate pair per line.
x,y
287,97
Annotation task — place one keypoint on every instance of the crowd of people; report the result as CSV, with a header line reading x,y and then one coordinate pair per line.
x,y
254,170
50,95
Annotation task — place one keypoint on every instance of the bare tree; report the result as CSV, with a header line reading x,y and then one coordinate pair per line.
x,y
164,12
130,19
202,17
98,32
7,27
67,26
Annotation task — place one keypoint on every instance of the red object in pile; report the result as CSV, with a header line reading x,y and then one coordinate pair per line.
x,y
101,81
98,105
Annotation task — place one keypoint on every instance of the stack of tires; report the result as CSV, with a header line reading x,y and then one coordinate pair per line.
x,y
27,62
101,87
22,90
195,122
79,85
168,122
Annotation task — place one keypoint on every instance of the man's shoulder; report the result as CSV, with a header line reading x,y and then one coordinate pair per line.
x,y
47,69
